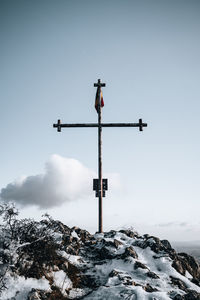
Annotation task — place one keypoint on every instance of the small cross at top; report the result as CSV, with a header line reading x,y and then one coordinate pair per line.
x,y
99,84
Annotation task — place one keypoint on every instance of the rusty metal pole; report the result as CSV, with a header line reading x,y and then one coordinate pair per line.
x,y
100,162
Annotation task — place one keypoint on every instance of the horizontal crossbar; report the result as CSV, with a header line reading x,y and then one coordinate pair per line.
x,y
102,125
140,125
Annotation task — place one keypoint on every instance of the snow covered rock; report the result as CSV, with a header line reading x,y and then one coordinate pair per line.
x,y
48,260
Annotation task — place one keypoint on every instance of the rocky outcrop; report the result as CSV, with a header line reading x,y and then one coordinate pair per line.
x,y
184,262
70,263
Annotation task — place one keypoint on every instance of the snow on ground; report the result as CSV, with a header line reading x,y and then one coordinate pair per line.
x,y
62,281
76,293
119,293
74,234
161,266
112,265
19,287
73,259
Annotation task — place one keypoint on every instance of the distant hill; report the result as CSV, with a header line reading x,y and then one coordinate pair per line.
x,y
47,260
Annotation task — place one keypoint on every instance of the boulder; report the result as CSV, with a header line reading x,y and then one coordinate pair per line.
x,y
179,283
184,262
129,251
140,265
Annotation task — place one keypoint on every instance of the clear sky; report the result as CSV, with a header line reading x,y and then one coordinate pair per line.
x,y
147,52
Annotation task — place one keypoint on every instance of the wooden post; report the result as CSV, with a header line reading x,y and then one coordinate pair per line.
x,y
100,163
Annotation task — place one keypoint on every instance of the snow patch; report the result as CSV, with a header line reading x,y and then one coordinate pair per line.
x,y
62,281
74,234
19,287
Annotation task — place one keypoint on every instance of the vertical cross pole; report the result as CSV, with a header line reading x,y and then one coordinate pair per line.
x,y
100,165
100,183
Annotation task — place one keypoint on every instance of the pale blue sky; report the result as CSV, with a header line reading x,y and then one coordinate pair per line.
x,y
147,52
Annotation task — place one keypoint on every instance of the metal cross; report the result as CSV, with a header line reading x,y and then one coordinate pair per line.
x,y
100,184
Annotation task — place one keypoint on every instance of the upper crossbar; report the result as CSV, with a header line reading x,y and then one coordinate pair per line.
x,y
140,125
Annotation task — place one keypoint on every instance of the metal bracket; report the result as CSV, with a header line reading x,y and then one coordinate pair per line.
x,y
96,186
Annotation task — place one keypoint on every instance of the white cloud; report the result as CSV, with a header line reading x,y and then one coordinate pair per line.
x,y
64,180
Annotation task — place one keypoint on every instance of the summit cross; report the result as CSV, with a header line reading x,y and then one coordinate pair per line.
x,y
100,185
